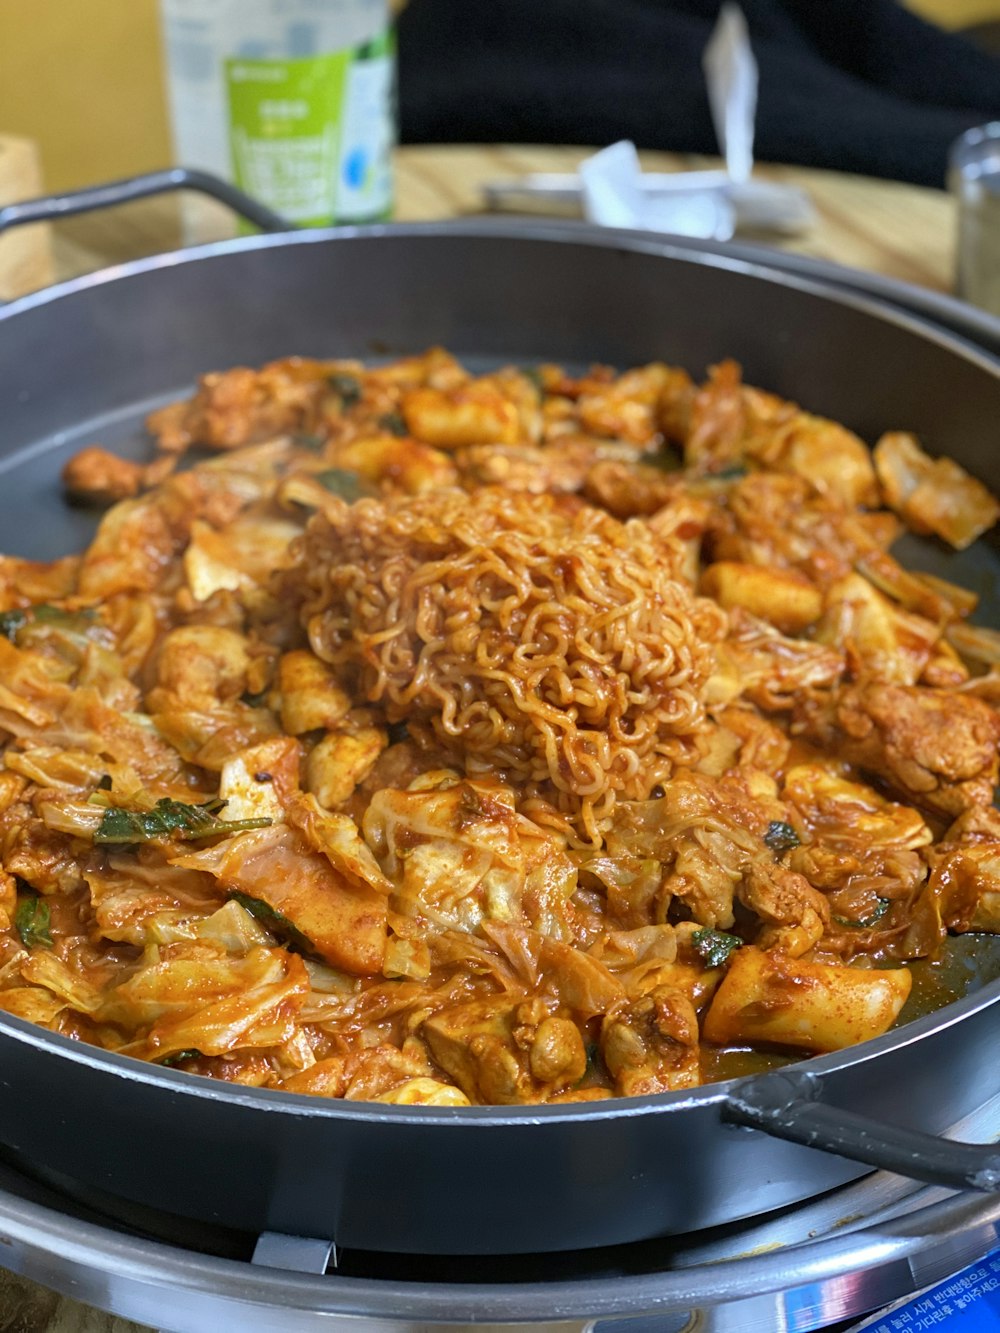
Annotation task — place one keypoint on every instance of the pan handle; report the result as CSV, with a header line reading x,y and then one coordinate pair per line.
x,y
787,1106
49,208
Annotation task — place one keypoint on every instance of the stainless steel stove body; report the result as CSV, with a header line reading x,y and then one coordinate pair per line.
x,y
809,1267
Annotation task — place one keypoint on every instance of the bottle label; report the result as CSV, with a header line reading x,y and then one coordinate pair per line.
x,y
312,137
364,183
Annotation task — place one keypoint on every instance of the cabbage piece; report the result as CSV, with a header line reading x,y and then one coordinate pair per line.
x,y
462,855
881,640
33,1003
138,899
337,838
196,997
340,921
43,968
933,494
241,556
57,769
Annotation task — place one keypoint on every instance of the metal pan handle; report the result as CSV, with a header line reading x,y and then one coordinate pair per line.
x,y
787,1106
49,208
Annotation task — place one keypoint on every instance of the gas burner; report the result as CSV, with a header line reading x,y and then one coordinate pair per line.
x,y
805,1268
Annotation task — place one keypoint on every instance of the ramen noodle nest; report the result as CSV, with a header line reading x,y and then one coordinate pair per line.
x,y
422,737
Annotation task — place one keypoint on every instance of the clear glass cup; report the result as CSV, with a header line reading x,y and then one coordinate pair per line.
x,y
974,180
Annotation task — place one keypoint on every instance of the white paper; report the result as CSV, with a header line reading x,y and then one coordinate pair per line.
x,y
731,74
709,204
616,193
613,196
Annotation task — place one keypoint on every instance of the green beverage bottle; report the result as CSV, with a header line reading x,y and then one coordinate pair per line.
x,y
293,100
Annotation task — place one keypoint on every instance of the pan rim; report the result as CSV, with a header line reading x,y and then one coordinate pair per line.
x,y
815,277
811,277
275,1100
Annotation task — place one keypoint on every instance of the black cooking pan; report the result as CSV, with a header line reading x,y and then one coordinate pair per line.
x,y
87,361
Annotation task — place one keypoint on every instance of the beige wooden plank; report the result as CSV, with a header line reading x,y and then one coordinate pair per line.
x,y
899,230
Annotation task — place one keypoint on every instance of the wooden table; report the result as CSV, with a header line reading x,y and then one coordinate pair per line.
x,y
898,230
903,231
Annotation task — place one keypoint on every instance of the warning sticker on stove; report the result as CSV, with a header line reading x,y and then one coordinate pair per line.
x,y
969,1302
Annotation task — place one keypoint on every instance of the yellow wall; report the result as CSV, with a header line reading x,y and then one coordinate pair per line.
x,y
83,78
956,13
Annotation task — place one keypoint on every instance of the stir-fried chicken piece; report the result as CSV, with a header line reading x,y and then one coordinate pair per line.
x,y
632,406
200,664
704,834
96,476
720,419
864,853
779,520
630,490
506,1053
235,407
342,760
650,1044
564,464
795,915
934,747
731,423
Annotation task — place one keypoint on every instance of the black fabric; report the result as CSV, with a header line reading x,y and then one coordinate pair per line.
x,y
856,85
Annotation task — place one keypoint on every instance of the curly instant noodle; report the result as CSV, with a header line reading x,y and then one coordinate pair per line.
x,y
531,635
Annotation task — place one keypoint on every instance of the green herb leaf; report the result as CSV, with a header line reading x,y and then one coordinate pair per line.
x,y
534,374
55,615
398,732
347,485
394,423
593,1065
178,1057
349,388
274,921
715,946
732,473
781,837
11,622
663,460
169,818
32,920
866,922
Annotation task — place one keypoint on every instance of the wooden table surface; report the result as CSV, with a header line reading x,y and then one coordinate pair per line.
x,y
898,230
902,231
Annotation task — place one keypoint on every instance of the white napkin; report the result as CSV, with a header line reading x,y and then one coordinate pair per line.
x,y
731,75
712,204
